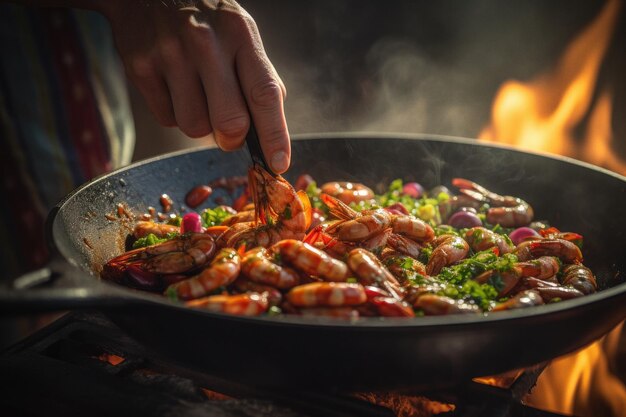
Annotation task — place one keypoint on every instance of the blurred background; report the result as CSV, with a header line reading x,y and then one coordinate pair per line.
x,y
440,67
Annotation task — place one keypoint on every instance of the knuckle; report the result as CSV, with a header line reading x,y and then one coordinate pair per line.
x,y
232,128
140,67
266,94
197,28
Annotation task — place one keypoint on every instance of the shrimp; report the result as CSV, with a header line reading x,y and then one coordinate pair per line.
x,y
348,192
359,226
508,211
404,245
449,249
523,299
310,260
363,226
413,228
371,271
437,305
480,239
283,212
320,239
144,228
223,270
250,304
391,307
579,277
182,254
403,267
550,290
242,216
257,266
543,267
327,294
563,249
244,285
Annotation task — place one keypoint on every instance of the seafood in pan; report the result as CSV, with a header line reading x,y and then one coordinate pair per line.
x,y
341,250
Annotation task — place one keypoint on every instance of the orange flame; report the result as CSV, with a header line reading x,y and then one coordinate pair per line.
x,y
542,114
582,383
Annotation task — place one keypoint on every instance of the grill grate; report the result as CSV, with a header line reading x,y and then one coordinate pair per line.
x,y
84,365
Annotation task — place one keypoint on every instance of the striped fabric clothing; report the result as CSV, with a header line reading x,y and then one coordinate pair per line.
x,y
64,119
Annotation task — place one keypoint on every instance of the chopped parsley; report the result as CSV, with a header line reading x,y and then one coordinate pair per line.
x,y
152,239
214,217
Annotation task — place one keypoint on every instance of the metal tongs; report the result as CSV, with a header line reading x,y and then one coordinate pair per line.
x,y
256,153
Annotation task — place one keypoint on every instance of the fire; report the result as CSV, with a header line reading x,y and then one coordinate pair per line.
x,y
547,114
544,114
582,383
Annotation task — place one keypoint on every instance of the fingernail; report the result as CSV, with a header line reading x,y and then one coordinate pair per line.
x,y
279,162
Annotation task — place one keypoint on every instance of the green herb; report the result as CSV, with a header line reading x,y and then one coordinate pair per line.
x,y
214,217
352,280
171,293
175,220
152,239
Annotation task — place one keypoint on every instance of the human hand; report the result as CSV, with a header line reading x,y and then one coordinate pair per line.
x,y
201,67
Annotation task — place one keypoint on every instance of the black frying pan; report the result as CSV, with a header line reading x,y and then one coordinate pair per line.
x,y
369,353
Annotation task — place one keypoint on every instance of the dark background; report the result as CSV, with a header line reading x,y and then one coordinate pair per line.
x,y
407,66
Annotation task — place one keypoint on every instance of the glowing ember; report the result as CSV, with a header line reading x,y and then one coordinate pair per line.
x,y
111,358
542,114
407,405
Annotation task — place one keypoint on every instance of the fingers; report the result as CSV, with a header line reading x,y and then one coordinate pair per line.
x,y
204,69
264,92
153,88
215,65
187,93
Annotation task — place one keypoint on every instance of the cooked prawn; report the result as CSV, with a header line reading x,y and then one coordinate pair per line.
x,y
370,271
563,249
579,277
283,212
436,305
508,211
144,228
327,294
310,260
251,304
182,254
257,266
222,270
480,239
449,249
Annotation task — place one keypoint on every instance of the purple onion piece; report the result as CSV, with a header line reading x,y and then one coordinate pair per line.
x,y
521,234
192,222
413,189
464,220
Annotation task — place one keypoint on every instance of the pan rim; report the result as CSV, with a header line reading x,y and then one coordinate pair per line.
x,y
538,312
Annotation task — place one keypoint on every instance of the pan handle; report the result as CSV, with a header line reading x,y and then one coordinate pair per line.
x,y
58,287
